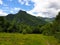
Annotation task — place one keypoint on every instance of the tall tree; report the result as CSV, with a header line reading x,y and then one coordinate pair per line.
x,y
57,22
3,24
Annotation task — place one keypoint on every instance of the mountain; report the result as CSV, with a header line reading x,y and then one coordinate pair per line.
x,y
47,19
24,17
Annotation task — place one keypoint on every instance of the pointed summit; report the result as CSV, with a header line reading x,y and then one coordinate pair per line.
x,y
21,11
24,17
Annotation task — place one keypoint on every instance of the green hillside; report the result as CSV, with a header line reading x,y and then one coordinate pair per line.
x,y
24,17
24,29
26,39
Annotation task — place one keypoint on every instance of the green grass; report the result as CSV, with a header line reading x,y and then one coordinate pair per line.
x,y
26,39
57,35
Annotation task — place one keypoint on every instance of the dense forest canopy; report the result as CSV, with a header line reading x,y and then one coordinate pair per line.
x,y
23,22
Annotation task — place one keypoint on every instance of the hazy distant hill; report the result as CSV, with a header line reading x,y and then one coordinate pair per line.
x,y
47,19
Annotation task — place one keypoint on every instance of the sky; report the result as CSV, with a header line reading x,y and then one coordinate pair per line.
x,y
42,8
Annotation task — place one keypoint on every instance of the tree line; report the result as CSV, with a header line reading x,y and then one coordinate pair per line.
x,y
47,29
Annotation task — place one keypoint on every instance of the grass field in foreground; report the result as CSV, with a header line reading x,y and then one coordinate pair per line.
x,y
26,39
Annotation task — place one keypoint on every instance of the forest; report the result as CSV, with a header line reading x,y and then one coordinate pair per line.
x,y
24,23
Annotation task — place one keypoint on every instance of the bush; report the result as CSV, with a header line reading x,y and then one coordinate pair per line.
x,y
57,35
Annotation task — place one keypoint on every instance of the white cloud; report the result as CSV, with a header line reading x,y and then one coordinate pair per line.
x,y
1,2
45,8
14,10
11,11
25,2
2,13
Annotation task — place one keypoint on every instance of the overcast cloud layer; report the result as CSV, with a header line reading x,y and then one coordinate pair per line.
x,y
44,8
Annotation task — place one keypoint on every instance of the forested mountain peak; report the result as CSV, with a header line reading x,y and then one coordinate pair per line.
x,y
21,11
24,17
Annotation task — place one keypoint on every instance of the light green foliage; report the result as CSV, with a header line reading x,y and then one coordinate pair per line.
x,y
27,39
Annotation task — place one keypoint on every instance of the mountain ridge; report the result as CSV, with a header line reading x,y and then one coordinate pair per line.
x,y
23,16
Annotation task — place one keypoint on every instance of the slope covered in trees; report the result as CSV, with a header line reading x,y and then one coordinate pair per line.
x,y
57,26
24,17
52,28
23,22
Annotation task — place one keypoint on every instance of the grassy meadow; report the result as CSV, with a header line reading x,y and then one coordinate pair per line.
x,y
26,39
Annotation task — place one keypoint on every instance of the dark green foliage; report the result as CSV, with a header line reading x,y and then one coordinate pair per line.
x,y
24,17
23,22
57,35
37,30
57,22
57,27
47,29
3,24
52,28
58,17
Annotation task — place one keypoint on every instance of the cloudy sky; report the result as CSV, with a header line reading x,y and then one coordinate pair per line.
x,y
44,8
